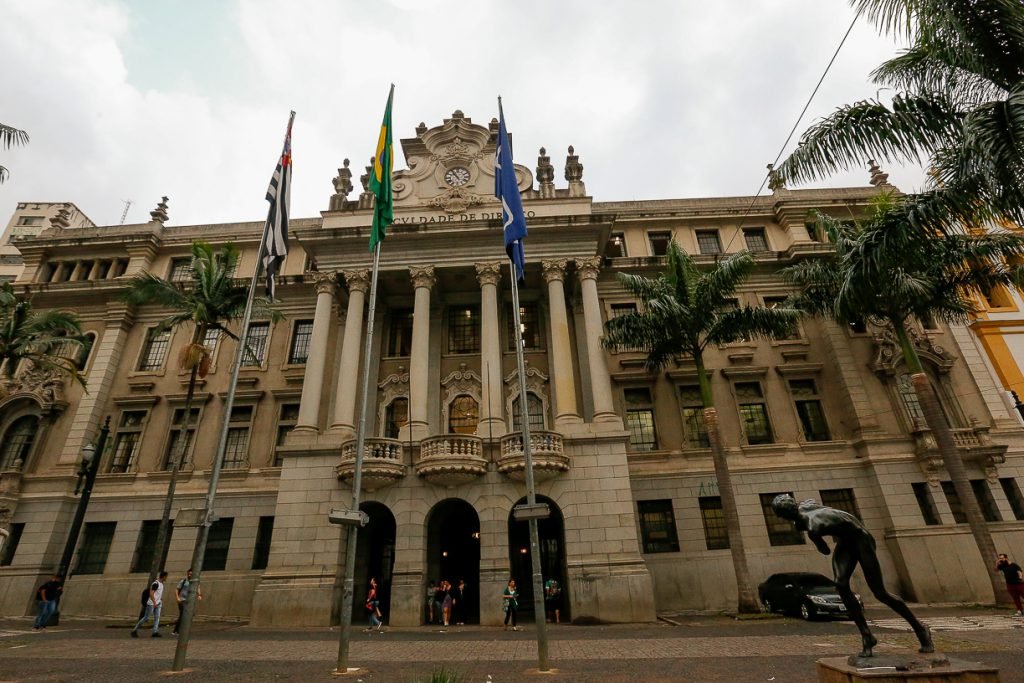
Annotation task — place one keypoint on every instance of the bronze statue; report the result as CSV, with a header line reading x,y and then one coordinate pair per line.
x,y
853,544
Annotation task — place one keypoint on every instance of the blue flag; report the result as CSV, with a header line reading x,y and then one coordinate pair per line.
x,y
506,189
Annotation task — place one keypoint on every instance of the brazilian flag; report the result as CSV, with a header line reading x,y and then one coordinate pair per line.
x,y
380,179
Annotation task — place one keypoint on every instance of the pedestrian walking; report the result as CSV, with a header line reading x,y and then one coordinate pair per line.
x,y
439,600
510,603
553,599
181,593
47,596
373,607
459,603
1014,580
431,589
153,606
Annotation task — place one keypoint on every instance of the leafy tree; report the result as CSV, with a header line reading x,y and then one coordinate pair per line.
x,y
10,136
684,310
210,299
886,271
42,338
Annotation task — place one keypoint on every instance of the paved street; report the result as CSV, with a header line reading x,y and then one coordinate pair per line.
x,y
699,648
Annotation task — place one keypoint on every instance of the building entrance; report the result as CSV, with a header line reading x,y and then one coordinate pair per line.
x,y
552,558
453,553
375,558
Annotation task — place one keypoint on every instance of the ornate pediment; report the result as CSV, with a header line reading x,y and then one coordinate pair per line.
x,y
43,386
889,357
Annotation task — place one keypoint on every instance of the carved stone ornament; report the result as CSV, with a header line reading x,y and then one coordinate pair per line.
x,y
545,170
456,150
536,384
324,283
45,387
488,273
573,167
888,358
357,280
61,220
554,269
159,214
462,382
456,200
588,268
422,276
343,182
395,386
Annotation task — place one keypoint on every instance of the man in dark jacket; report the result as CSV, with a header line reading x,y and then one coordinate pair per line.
x,y
1014,580
47,596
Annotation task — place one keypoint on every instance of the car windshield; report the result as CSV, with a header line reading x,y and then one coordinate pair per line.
x,y
815,581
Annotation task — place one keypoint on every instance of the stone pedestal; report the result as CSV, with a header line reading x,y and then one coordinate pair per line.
x,y
889,668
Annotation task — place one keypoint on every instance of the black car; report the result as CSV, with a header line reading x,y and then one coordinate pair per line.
x,y
804,593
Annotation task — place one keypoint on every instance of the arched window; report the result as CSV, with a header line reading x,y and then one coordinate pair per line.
x,y
534,413
395,417
912,406
463,415
18,440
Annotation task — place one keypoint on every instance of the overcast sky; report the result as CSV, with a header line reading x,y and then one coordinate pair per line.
x,y
134,100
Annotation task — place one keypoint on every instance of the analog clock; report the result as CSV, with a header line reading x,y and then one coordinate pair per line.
x,y
457,177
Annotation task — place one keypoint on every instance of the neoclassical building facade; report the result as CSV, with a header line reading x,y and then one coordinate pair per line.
x,y
620,453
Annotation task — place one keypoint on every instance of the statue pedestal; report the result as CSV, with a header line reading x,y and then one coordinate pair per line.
x,y
903,668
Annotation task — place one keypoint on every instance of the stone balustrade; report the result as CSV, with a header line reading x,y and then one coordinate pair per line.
x,y
451,459
546,451
383,462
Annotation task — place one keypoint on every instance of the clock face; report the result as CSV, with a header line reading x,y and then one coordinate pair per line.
x,y
457,176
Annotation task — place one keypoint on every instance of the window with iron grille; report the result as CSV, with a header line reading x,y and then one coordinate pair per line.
x,y
181,270
463,415
955,506
175,435
288,417
658,526
929,513
659,242
529,323
11,545
396,415
264,534
154,350
256,345
708,242
400,332
755,239
780,302
534,413
211,339
780,531
809,410
126,440
217,544
716,534
464,329
640,419
615,247
96,541
18,441
694,429
1014,497
302,333
145,546
236,452
911,405
840,499
986,502
754,413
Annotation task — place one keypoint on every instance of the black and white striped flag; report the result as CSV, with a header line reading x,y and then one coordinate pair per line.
x,y
279,196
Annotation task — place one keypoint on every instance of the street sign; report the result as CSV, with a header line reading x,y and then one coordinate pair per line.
x,y
535,511
348,517
191,517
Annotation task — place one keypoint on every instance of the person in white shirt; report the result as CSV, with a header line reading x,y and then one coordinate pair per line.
x,y
153,605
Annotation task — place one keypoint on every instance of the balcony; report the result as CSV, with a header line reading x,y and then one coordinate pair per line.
x,y
549,458
974,445
451,459
383,463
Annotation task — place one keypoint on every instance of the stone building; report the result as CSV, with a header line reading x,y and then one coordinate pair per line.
x,y
621,456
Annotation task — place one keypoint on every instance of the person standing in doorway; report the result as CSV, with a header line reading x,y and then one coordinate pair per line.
x,y
47,595
431,589
446,604
553,599
373,607
153,606
511,604
1014,580
439,594
459,603
181,593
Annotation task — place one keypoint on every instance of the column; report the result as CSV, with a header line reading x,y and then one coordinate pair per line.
x,y
316,361
419,360
600,381
563,381
492,422
75,272
358,282
94,272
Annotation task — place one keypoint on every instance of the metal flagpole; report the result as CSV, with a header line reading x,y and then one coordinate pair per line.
x,y
531,496
357,480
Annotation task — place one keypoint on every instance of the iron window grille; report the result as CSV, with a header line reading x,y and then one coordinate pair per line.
x,y
464,329
756,239
693,417
640,419
809,410
780,531
256,346
708,242
155,351
716,534
126,440
302,334
658,526
754,413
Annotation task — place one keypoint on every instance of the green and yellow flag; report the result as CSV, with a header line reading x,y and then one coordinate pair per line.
x,y
380,179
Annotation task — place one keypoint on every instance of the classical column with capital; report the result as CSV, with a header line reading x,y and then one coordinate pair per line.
x,y
316,361
492,422
600,381
561,353
344,420
419,358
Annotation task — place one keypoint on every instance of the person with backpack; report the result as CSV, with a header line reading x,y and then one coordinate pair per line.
x,y
181,594
48,594
153,606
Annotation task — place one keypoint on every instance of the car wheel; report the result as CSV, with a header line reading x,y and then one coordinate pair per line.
x,y
806,611
767,606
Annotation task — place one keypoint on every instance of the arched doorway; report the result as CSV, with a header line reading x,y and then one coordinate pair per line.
x,y
375,557
552,557
453,551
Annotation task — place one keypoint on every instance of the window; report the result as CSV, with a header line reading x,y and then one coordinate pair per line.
x,y
126,440
708,242
175,435
615,247
755,239
463,415
92,556
30,220
780,531
464,329
396,415
753,413
926,503
813,231
264,533
911,406
658,526
858,327
659,242
302,332
400,332
529,323
236,452
534,413
84,351
716,535
640,419
694,430
181,269
840,499
780,302
217,543
808,409
955,506
619,310
985,500
145,547
154,351
288,417
256,346
1014,497
18,441
210,340
11,544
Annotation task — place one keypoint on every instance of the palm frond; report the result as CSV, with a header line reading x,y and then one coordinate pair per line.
x,y
12,136
939,68
748,322
716,286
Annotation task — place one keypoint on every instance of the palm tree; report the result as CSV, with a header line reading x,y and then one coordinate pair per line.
x,y
686,309
958,108
42,338
208,301
10,136
886,271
